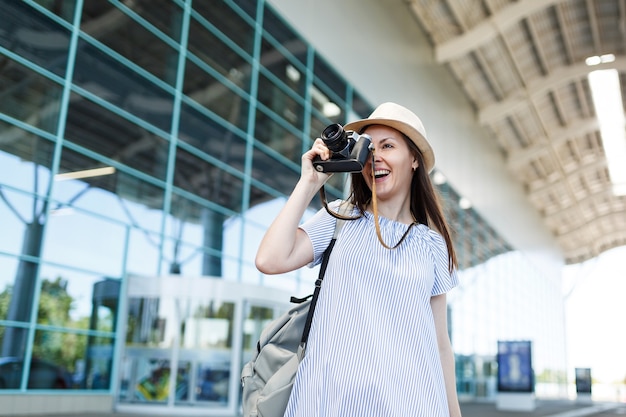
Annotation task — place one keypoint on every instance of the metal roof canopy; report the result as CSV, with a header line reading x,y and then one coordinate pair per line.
x,y
522,66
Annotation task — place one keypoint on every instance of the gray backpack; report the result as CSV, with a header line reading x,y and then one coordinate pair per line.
x,y
268,378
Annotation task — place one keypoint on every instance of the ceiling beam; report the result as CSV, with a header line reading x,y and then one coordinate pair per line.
x,y
519,159
489,29
560,76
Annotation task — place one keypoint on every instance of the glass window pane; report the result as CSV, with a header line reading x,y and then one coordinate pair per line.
x,y
142,201
28,97
146,49
213,382
325,108
85,241
207,336
199,130
283,67
110,193
12,364
45,372
143,253
228,22
273,173
72,299
145,377
21,236
146,322
34,37
197,235
331,81
64,9
278,137
94,369
100,130
209,326
102,75
217,95
211,49
204,179
212,138
164,14
288,38
257,317
272,96
8,269
27,158
360,107
248,6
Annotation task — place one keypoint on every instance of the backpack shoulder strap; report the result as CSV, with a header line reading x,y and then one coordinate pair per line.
x,y
344,208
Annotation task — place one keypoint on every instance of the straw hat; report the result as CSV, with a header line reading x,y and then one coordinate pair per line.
x,y
402,119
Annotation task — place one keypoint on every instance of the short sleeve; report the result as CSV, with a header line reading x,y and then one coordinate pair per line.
x,y
444,279
320,229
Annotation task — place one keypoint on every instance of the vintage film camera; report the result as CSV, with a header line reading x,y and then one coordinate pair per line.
x,y
348,150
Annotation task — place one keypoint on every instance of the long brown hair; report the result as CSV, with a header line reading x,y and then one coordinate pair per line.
x,y
425,200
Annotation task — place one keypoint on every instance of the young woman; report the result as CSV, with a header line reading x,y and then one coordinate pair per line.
x,y
379,342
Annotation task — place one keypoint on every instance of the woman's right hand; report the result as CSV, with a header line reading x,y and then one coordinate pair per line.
x,y
308,171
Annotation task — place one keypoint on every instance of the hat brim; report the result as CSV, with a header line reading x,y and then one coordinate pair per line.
x,y
416,137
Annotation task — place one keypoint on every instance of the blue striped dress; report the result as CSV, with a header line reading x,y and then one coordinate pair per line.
x,y
372,349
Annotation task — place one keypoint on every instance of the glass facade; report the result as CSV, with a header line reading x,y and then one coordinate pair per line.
x,y
156,138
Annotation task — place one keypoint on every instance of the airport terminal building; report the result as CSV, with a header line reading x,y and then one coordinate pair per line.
x,y
146,145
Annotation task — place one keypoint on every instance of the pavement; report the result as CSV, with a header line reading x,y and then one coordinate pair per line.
x,y
543,408
547,408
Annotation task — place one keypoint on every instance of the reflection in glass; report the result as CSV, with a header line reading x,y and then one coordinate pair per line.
x,y
273,173
220,56
230,24
102,75
282,64
200,177
100,130
212,383
27,157
163,14
37,38
204,328
42,373
65,10
152,378
27,97
283,104
213,138
257,318
30,211
143,252
8,266
146,50
284,35
117,196
144,325
220,95
70,240
328,80
209,325
196,238
278,136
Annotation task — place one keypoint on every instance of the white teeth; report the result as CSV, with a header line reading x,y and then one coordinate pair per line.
x,y
381,172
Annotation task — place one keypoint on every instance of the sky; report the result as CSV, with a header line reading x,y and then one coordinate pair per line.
x,y
595,307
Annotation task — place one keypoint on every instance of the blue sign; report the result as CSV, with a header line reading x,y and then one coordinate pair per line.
x,y
515,371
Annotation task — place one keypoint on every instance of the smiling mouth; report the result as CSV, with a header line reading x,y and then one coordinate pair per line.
x,y
380,173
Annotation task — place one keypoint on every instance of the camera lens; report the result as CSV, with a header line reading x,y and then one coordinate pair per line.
x,y
334,137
